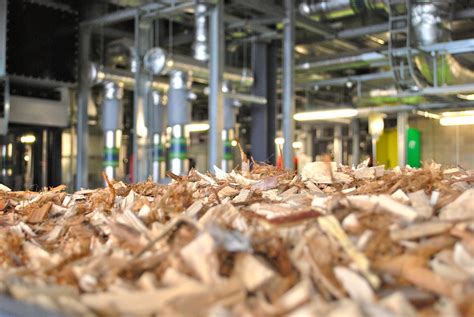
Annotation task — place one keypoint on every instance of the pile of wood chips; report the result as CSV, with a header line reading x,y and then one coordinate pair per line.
x,y
260,241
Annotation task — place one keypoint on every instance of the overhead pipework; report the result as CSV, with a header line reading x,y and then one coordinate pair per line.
x,y
158,62
200,46
338,8
431,24
179,115
100,75
112,115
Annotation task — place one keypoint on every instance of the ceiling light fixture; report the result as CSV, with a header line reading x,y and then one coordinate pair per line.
x,y
326,114
28,139
197,127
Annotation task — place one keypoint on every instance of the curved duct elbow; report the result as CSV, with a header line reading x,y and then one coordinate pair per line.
x,y
122,54
200,46
430,23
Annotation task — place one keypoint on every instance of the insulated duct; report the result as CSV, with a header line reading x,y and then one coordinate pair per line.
x,y
430,23
339,8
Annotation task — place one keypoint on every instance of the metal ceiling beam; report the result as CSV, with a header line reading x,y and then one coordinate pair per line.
x,y
343,80
235,23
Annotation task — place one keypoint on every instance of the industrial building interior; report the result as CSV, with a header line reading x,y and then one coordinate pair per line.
x,y
137,88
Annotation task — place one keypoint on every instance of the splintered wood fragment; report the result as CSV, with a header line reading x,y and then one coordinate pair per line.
x,y
412,269
285,219
200,255
253,271
421,203
461,208
354,284
194,209
365,173
384,203
243,196
228,192
331,226
420,230
37,215
266,184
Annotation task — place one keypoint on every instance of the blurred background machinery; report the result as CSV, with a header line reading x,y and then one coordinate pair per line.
x,y
137,88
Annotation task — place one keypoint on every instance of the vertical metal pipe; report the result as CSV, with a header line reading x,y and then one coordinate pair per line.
x,y
272,60
158,164
44,159
143,40
355,126
259,124
82,102
216,96
179,114
3,37
112,113
402,126
374,150
288,82
200,46
228,134
338,150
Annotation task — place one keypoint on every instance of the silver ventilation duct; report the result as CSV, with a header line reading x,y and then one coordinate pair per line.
x,y
200,45
431,24
338,8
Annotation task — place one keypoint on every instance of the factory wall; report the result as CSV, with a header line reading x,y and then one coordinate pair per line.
x,y
448,145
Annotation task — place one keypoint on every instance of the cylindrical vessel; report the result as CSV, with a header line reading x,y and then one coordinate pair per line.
x,y
159,158
112,113
178,151
158,140
179,114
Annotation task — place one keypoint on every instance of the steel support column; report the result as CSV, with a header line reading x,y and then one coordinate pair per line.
x,y
355,127
82,128
263,125
216,96
402,126
338,148
3,36
143,41
259,124
288,82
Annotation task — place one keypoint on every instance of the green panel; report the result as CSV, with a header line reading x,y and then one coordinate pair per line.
x,y
414,147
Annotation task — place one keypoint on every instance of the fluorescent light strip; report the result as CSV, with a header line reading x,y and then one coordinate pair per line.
x,y
197,127
325,114
460,120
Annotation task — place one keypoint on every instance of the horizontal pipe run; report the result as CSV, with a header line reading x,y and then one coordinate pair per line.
x,y
120,16
245,98
98,75
158,61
